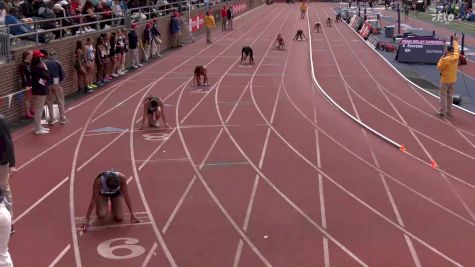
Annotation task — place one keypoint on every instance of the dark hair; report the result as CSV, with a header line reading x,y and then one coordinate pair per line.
x,y
99,40
112,179
44,52
79,45
154,103
87,5
35,61
13,11
450,48
112,38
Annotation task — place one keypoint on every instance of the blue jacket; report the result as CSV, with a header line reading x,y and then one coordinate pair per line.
x,y
175,25
17,29
55,70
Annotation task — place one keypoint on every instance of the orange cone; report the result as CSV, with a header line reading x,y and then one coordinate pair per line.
x,y
434,164
402,148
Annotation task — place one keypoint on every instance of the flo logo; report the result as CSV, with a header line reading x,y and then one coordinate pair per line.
x,y
442,17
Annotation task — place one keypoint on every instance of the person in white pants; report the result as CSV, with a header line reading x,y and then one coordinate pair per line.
x,y
5,228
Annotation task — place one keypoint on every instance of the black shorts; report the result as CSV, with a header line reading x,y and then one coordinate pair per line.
x,y
111,196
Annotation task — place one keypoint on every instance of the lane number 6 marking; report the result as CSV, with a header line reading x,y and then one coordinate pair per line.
x,y
106,249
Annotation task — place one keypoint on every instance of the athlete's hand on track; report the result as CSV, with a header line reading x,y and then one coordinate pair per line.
x,y
85,227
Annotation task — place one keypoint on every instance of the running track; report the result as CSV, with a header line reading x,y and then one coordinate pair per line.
x,y
259,170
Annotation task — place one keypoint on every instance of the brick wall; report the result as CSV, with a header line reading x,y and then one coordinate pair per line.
x,y
10,81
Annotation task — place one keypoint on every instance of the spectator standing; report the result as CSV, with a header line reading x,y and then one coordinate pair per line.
x,y
40,78
224,18
156,38
176,31
100,55
209,25
121,50
80,64
25,76
148,41
5,232
303,10
106,43
55,90
134,46
91,65
230,15
109,42
447,66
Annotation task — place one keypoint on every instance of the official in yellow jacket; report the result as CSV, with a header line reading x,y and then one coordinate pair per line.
x,y
447,66
209,25
303,10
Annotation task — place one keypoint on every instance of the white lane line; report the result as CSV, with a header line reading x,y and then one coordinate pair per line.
x,y
267,180
401,119
149,255
48,150
224,164
197,171
163,160
409,243
40,200
102,150
445,120
177,207
137,179
60,256
77,255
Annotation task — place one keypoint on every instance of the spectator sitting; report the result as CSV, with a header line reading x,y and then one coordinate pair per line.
x,y
12,18
50,15
7,5
117,9
27,9
106,13
88,10
40,7
66,15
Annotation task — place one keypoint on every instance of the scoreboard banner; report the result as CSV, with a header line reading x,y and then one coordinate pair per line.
x,y
420,50
355,22
240,7
365,30
196,23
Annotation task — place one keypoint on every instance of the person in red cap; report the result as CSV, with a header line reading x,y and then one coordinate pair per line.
x,y
39,88
134,46
224,18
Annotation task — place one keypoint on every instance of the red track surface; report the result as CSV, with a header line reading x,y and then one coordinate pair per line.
x,y
261,169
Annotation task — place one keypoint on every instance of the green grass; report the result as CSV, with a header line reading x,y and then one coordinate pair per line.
x,y
466,27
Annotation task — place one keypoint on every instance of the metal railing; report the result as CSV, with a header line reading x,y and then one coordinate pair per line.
x,y
46,30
